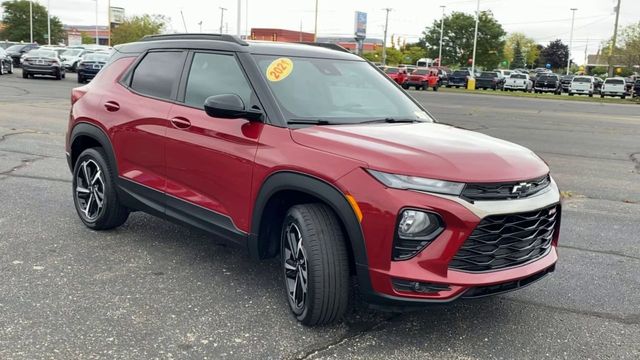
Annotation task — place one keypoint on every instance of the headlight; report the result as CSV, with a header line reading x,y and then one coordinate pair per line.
x,y
418,183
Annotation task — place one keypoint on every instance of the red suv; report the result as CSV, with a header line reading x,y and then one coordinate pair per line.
x,y
314,156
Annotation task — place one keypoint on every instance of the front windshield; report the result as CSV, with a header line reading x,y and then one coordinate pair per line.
x,y
72,52
460,73
336,91
547,77
15,47
420,72
487,74
391,71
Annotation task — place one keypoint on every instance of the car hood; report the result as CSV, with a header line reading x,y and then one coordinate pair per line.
x,y
426,149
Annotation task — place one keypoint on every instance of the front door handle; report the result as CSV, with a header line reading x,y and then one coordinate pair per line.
x,y
111,106
180,122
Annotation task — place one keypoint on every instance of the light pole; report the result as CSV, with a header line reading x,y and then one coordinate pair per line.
x,y
31,19
239,31
49,22
315,25
475,42
573,18
441,34
222,10
384,41
97,40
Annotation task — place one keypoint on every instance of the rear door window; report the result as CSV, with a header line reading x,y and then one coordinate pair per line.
x,y
215,74
158,74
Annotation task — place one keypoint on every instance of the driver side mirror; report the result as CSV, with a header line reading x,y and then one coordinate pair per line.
x,y
230,106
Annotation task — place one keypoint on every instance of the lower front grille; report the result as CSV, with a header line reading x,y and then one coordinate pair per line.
x,y
501,241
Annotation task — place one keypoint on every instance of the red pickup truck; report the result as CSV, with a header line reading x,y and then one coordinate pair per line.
x,y
422,79
396,74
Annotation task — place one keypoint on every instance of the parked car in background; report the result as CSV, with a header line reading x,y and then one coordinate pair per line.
x,y
489,80
16,52
504,74
518,82
72,57
43,62
597,85
615,86
636,88
629,81
582,85
422,79
547,82
565,82
6,62
459,78
90,65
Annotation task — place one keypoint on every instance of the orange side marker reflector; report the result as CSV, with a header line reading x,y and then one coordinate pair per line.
x,y
355,207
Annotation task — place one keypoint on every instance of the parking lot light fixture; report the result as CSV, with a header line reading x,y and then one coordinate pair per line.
x,y
475,41
573,18
441,34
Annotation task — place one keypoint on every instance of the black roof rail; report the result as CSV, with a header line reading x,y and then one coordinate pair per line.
x,y
196,36
330,46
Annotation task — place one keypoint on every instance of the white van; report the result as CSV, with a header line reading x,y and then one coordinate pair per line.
x,y
615,86
582,85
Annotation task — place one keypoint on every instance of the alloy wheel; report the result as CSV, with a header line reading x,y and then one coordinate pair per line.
x,y
295,267
90,189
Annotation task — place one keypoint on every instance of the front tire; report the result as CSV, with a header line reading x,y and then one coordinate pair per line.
x,y
315,264
25,75
94,192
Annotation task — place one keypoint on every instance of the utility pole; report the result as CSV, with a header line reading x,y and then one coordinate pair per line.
x,y
615,38
384,41
239,29
184,23
441,35
49,21
200,24
315,26
222,10
573,18
475,42
246,21
31,19
109,21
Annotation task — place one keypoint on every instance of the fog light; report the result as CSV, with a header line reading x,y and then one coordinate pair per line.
x,y
416,224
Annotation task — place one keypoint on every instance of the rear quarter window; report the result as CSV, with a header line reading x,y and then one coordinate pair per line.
x,y
158,73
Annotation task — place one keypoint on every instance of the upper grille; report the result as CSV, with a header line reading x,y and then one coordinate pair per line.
x,y
501,241
506,190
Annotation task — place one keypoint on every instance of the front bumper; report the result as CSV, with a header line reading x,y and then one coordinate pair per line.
x,y
545,89
431,265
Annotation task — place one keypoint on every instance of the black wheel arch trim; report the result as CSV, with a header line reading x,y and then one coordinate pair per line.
x,y
328,193
96,133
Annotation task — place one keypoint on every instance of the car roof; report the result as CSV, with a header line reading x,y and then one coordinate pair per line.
x,y
232,43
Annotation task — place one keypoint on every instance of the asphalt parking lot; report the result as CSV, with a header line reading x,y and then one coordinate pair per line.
x,y
151,289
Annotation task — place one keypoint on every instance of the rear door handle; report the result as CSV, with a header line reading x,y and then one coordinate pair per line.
x,y
180,122
111,106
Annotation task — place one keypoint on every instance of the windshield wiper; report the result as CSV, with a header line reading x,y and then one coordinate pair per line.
x,y
309,122
389,120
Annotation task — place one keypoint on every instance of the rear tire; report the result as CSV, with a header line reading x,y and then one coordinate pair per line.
x,y
10,69
313,246
94,191
80,79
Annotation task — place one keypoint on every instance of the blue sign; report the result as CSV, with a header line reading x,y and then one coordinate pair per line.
x,y
361,24
548,66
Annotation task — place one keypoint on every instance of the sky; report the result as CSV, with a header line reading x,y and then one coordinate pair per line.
x,y
542,20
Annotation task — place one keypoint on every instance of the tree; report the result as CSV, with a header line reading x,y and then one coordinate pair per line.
x,y
457,43
394,56
528,46
87,39
136,27
556,54
630,45
16,21
412,53
518,58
